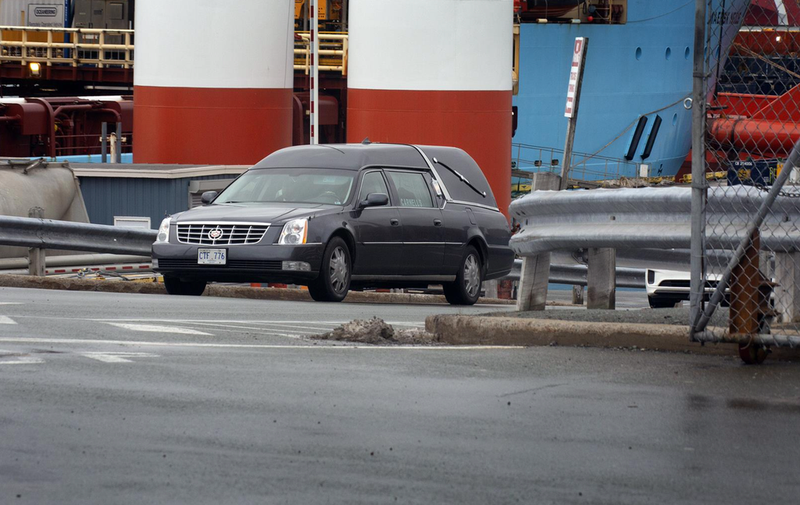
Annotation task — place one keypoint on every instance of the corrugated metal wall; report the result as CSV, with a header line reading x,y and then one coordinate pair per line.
x,y
107,197
11,11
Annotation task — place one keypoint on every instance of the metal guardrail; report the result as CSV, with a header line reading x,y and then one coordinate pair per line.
x,y
654,218
52,234
66,235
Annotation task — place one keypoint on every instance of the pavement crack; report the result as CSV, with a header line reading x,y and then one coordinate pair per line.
x,y
532,390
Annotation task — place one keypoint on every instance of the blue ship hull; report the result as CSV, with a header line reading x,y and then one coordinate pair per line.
x,y
640,68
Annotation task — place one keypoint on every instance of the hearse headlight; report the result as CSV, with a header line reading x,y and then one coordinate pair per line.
x,y
163,231
294,232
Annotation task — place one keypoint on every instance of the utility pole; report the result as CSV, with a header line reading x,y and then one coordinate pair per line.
x,y
314,88
573,101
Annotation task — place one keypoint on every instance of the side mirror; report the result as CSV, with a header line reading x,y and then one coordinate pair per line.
x,y
208,196
375,200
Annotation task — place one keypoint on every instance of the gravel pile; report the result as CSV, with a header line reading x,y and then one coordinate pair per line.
x,y
375,331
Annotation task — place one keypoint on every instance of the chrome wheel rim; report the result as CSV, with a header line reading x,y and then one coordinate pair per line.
x,y
472,276
339,271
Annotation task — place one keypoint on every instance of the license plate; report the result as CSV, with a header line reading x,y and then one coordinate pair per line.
x,y
212,256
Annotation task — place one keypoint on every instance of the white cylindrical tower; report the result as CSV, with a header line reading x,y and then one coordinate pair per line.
x,y
435,72
212,80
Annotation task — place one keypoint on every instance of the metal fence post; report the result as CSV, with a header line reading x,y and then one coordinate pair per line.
x,y
699,185
36,255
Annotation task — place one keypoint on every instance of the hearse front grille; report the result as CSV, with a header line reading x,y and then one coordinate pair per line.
x,y
221,233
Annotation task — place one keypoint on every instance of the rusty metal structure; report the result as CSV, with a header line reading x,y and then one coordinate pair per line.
x,y
52,127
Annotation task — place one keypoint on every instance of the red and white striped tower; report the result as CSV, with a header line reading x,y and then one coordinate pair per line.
x,y
314,87
435,72
212,80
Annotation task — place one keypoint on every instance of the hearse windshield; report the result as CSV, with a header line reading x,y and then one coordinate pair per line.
x,y
290,185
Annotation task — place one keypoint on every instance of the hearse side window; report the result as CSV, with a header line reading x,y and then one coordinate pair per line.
x,y
372,182
412,189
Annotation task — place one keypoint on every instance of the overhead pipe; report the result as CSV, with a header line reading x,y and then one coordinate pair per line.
x,y
764,136
51,121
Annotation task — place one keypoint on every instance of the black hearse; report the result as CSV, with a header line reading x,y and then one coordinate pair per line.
x,y
343,216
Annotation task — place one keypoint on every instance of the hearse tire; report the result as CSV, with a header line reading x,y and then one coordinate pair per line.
x,y
467,287
333,281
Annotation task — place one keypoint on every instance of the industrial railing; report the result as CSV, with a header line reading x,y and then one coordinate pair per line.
x,y
332,52
66,47
586,170
114,48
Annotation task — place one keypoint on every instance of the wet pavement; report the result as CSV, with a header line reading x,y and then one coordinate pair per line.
x,y
182,410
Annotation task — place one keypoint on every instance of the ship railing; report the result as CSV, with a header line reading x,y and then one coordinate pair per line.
x,y
74,47
586,170
333,49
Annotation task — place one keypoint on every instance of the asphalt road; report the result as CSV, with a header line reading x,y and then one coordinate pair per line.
x,y
111,398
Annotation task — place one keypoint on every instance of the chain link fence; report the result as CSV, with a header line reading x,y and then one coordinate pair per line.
x,y
747,232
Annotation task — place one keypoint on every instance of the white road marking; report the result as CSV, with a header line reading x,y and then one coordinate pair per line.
x,y
6,320
228,327
257,321
309,324
117,357
152,328
10,303
24,360
125,343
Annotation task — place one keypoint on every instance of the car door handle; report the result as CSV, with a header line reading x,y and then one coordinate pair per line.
x,y
437,222
395,222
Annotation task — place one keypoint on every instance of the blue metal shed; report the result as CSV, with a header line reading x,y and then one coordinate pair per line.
x,y
153,191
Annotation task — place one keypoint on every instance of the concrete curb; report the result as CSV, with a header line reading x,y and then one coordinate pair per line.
x,y
481,330
156,288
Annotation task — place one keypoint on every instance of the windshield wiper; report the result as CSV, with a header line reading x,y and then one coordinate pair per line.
x,y
463,179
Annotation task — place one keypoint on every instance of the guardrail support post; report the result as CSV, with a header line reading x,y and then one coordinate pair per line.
x,y
535,275
490,289
577,295
601,278
36,255
533,282
787,291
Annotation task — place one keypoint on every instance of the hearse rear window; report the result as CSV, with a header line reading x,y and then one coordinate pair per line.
x,y
461,175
